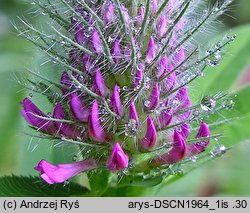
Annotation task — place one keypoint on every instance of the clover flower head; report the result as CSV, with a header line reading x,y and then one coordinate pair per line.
x,y
123,93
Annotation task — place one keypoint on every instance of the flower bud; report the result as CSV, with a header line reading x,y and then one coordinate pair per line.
x,y
154,98
99,85
175,154
95,129
198,147
150,139
109,13
80,112
118,159
116,51
97,42
65,129
162,25
133,113
30,113
151,51
116,104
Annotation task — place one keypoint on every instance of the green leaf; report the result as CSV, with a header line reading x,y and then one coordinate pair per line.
x,y
21,186
237,130
224,76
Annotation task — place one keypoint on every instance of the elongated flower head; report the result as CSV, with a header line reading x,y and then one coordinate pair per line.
x,y
119,88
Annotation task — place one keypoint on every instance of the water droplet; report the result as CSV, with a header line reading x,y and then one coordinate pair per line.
x,y
110,39
179,172
147,103
228,104
175,103
44,14
131,128
65,183
208,103
62,43
74,158
124,88
193,159
30,95
147,83
218,150
213,60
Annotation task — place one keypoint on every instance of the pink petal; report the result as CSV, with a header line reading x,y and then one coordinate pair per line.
x,y
96,131
99,86
116,104
175,154
97,42
150,138
133,113
151,51
65,129
109,13
154,97
162,26
59,173
118,159
116,51
80,112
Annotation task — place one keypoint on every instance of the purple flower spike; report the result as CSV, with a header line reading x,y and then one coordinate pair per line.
x,y
65,80
141,14
175,154
30,113
80,112
116,104
154,97
162,25
150,138
179,57
153,6
109,13
118,159
96,131
59,173
99,86
116,51
139,75
151,51
97,43
198,147
133,113
65,129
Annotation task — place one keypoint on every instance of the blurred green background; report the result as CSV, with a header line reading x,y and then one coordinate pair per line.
x,y
227,176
